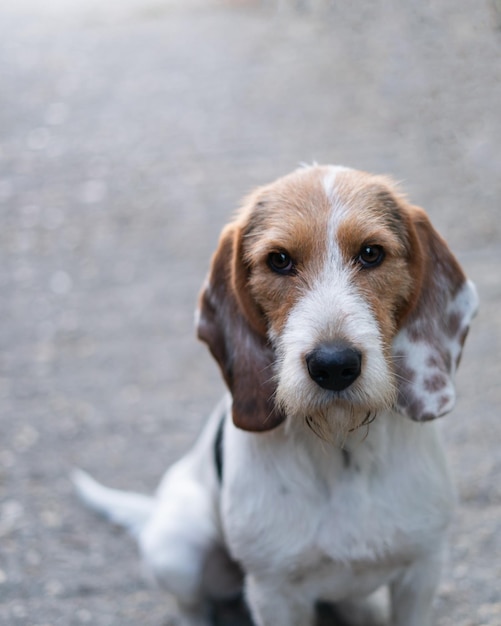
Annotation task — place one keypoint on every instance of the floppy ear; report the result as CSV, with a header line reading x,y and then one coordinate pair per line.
x,y
234,329
427,348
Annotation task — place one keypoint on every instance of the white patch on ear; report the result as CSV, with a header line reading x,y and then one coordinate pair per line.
x,y
466,302
426,390
426,360
462,309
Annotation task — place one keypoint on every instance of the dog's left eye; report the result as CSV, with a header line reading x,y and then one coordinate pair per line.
x,y
370,256
281,263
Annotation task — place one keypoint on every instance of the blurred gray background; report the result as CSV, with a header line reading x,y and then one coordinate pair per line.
x,y
129,130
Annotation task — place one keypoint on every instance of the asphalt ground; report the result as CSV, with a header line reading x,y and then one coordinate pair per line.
x,y
129,131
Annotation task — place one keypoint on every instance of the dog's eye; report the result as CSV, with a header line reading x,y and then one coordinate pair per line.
x,y
281,263
371,256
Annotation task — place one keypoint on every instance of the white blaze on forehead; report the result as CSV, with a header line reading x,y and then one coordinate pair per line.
x,y
329,180
338,210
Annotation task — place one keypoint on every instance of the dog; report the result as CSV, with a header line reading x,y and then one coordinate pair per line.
x,y
337,315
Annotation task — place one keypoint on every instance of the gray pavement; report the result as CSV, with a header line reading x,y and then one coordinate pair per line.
x,y
128,133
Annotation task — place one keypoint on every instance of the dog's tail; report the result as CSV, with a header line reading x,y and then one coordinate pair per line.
x,y
125,508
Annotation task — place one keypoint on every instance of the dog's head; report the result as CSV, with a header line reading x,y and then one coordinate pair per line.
x,y
330,298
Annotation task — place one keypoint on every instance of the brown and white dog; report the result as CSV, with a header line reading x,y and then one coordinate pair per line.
x,y
337,315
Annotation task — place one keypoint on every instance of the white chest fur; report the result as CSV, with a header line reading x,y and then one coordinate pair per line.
x,y
306,509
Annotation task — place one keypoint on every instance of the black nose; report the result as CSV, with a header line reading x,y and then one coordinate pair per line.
x,y
334,366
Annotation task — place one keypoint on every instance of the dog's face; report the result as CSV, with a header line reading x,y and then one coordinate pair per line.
x,y
330,299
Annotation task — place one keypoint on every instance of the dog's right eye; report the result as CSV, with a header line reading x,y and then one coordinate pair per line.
x,y
281,263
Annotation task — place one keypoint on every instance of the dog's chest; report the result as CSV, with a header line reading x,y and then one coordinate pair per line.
x,y
343,514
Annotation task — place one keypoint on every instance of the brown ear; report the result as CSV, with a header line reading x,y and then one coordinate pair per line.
x,y
235,331
427,348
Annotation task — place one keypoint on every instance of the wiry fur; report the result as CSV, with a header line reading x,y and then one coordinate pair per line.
x,y
325,494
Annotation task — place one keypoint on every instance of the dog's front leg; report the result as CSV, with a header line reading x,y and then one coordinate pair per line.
x,y
273,604
413,592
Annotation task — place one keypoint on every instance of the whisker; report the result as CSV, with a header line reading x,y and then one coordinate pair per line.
x,y
367,421
401,378
317,430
